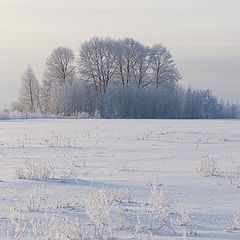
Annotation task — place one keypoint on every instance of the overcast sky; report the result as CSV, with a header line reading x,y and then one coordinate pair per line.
x,y
202,35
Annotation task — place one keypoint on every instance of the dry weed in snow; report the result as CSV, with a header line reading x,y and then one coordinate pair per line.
x,y
98,209
207,166
156,212
235,173
36,198
55,227
14,228
36,169
122,165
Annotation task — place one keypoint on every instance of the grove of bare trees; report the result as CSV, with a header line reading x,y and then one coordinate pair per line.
x,y
118,79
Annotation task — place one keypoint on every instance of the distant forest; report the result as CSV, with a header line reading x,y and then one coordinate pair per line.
x,y
116,79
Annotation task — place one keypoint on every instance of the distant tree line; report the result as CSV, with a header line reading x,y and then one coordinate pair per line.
x,y
118,79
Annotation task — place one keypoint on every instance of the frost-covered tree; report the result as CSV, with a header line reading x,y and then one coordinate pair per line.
x,y
141,69
128,52
164,72
126,61
29,92
97,62
60,65
58,79
118,79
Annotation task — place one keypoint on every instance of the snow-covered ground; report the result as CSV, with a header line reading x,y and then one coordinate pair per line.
x,y
119,176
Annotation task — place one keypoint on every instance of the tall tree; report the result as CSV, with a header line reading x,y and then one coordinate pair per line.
x,y
141,68
163,68
97,62
128,52
57,80
60,65
29,92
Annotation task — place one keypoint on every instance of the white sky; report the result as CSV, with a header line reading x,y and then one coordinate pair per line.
x,y
202,35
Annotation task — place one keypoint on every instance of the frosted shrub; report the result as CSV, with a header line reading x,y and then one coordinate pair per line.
x,y
120,218
122,165
235,173
55,227
20,173
39,169
14,228
49,227
81,115
223,136
207,166
36,198
46,228
39,199
98,209
72,230
236,221
156,211
185,218
120,196
58,140
185,222
156,208
36,169
228,227
231,225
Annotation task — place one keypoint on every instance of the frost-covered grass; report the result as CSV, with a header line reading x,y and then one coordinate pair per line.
x,y
119,179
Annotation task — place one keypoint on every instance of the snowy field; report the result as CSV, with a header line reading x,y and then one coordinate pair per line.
x,y
120,179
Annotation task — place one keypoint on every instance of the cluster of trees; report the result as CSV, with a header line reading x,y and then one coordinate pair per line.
x,y
118,79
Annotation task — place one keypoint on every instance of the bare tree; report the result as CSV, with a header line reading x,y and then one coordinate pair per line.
x,y
60,65
141,69
127,58
163,68
97,62
58,79
126,61
29,92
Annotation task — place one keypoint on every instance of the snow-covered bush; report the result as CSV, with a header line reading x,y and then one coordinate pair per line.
x,y
20,173
207,166
120,196
55,227
155,214
81,115
50,227
231,225
184,218
237,220
98,209
14,228
234,177
36,198
157,209
59,140
36,169
223,136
